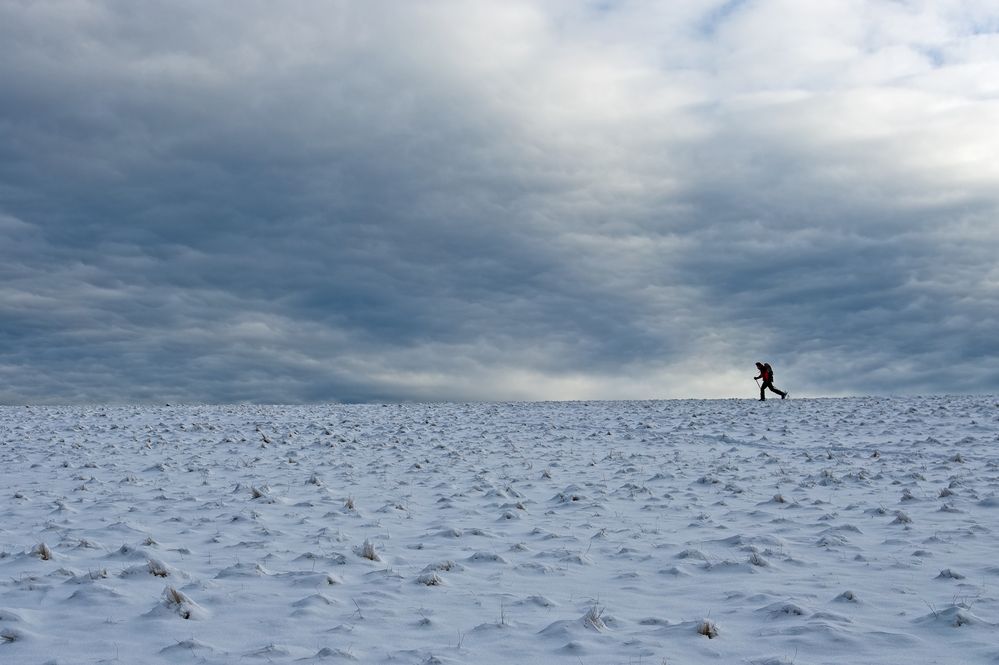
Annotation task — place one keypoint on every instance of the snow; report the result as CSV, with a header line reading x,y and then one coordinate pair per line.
x,y
800,531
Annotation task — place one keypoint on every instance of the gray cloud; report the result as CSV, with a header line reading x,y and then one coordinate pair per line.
x,y
443,200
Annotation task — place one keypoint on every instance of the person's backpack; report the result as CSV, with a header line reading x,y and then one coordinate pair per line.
x,y
769,375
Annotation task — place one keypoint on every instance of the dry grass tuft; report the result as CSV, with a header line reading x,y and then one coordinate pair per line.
x,y
901,518
158,568
174,597
43,552
368,551
708,628
594,619
430,579
180,603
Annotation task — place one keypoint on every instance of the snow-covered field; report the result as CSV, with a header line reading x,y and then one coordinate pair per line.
x,y
804,531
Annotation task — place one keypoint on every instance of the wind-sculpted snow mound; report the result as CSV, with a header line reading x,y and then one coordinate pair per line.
x,y
802,531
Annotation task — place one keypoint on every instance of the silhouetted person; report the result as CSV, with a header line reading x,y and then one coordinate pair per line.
x,y
767,374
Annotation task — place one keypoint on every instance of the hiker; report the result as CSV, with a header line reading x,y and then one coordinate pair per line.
x,y
767,374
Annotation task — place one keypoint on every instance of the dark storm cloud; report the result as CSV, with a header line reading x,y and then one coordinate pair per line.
x,y
494,200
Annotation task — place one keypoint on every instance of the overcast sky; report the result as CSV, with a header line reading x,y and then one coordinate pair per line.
x,y
468,200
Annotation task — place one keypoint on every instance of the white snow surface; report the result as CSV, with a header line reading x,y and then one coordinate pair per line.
x,y
862,530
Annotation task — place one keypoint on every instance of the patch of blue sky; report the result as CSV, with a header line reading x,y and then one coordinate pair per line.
x,y
714,18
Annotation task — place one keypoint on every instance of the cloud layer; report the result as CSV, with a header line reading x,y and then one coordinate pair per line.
x,y
496,200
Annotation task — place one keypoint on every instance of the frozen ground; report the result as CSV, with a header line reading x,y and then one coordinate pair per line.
x,y
805,531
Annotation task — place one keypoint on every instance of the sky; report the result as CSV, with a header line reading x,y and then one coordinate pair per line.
x,y
467,200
